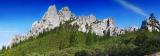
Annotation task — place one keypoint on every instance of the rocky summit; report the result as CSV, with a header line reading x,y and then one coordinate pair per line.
x,y
52,19
61,33
151,24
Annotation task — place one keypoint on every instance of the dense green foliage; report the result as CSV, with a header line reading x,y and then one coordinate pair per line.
x,y
66,40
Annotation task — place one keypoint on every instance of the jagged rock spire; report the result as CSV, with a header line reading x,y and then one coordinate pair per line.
x,y
110,22
51,13
151,24
52,8
65,14
52,19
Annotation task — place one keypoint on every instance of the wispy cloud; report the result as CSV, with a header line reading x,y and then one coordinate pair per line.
x,y
132,7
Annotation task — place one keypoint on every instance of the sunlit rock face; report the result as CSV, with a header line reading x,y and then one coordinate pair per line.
x,y
50,20
103,27
151,24
99,27
107,27
84,22
120,31
17,39
65,14
132,29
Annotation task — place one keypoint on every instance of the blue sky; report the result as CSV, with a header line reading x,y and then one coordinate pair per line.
x,y
16,16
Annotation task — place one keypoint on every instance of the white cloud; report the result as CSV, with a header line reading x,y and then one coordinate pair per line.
x,y
132,7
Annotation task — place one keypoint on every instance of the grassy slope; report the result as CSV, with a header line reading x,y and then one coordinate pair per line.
x,y
67,41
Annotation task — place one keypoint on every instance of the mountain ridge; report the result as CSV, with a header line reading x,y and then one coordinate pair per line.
x,y
53,18
64,34
64,15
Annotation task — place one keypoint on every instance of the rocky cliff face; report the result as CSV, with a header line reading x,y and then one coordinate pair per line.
x,y
104,27
132,29
65,14
52,19
84,22
99,27
151,24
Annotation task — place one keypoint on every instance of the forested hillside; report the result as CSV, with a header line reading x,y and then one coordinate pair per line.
x,y
66,40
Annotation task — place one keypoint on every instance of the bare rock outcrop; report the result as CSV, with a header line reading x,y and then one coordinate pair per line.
x,y
151,24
